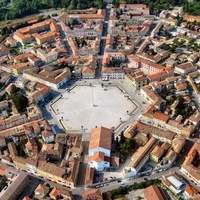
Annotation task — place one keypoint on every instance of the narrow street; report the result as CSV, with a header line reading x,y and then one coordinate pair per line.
x,y
103,43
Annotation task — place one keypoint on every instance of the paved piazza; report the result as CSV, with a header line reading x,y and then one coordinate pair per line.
x,y
91,106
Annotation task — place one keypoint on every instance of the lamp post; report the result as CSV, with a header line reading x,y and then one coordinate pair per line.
x,y
92,98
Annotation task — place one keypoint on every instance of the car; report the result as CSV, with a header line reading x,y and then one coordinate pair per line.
x,y
106,184
143,102
101,185
119,181
145,179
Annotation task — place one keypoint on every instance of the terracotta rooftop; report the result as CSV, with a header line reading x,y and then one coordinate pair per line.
x,y
191,191
92,194
154,192
161,116
42,189
59,191
97,157
89,177
100,137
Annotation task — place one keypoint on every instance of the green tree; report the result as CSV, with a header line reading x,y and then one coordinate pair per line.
x,y
128,147
20,101
14,89
3,182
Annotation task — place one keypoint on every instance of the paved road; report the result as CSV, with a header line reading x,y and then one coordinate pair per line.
x,y
115,184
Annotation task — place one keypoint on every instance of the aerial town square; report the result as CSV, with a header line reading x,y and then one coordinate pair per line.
x,y
100,100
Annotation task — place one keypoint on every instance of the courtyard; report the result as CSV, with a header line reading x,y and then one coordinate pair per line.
x,y
86,106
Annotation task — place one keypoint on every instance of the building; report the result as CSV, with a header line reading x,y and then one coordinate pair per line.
x,y
53,79
158,152
194,79
138,79
89,29
190,192
2,142
161,120
139,158
89,177
112,73
11,42
185,68
17,182
61,194
100,148
100,15
148,129
154,192
4,105
47,57
4,50
31,147
92,194
174,182
26,164
65,175
88,73
20,67
48,135
38,32
190,166
12,149
191,18
42,190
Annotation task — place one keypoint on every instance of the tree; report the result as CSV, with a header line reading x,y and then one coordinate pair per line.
x,y
122,138
2,182
14,89
151,8
20,101
72,5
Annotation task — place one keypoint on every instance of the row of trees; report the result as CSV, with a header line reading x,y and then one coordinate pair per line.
x,y
21,8
122,191
192,7
154,4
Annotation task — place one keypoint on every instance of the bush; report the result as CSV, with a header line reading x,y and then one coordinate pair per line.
x,y
119,192
54,15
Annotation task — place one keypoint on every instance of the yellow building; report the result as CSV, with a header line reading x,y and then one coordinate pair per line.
x,y
19,68
158,151
88,72
51,171
19,163
23,39
63,175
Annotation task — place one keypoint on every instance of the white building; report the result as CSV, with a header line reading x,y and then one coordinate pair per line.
x,y
112,73
53,79
48,136
139,158
47,57
185,68
100,148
